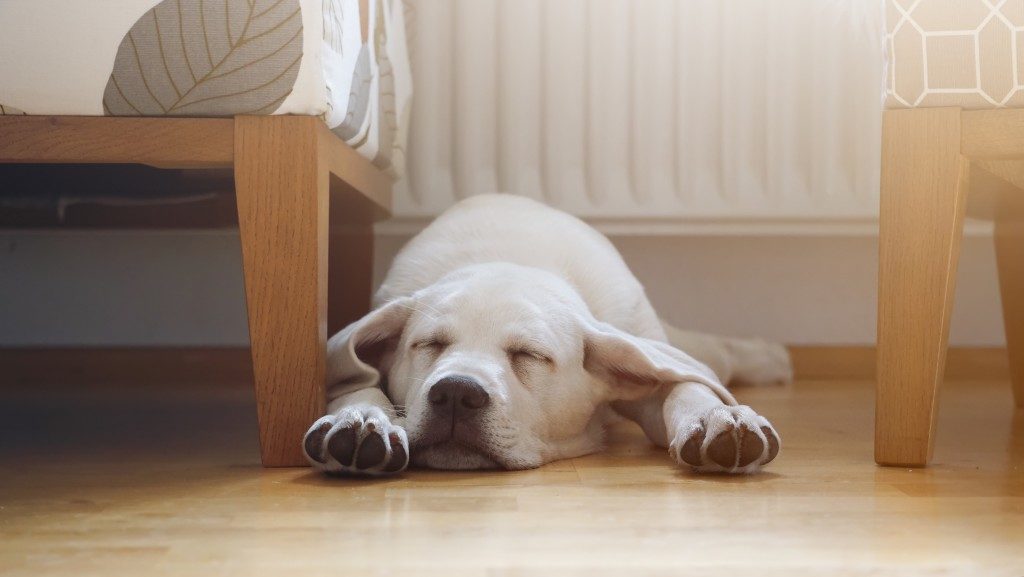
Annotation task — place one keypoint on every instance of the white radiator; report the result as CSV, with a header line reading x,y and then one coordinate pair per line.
x,y
650,116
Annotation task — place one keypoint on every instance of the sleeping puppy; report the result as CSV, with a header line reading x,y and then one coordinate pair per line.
x,y
507,335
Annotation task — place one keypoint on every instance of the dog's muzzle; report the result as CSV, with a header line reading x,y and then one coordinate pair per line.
x,y
454,422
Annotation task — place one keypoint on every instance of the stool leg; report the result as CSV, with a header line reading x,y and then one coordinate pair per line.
x,y
923,194
282,186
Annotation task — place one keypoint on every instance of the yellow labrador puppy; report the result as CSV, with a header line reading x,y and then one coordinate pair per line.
x,y
506,335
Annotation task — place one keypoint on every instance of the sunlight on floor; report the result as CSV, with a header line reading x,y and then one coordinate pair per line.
x,y
151,482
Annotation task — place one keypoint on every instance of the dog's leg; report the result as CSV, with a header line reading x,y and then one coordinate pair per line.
x,y
735,361
360,434
709,435
703,432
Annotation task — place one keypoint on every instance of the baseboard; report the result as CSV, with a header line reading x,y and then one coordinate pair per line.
x,y
226,366
858,362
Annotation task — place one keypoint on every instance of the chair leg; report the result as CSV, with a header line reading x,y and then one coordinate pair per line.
x,y
923,194
1009,239
282,185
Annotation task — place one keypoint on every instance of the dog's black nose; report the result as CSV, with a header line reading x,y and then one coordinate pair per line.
x,y
458,393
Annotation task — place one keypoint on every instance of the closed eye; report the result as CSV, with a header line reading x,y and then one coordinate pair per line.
x,y
433,344
524,354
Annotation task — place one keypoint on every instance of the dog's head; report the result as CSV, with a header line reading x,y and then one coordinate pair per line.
x,y
500,365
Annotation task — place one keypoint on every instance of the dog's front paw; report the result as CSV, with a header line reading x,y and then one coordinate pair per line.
x,y
358,441
731,439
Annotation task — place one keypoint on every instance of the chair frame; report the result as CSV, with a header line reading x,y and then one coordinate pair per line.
x,y
938,164
306,206
298,187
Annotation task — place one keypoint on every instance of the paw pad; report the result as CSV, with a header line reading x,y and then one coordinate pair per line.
x,y
399,455
773,443
690,454
342,445
738,444
352,443
722,448
314,441
372,451
751,447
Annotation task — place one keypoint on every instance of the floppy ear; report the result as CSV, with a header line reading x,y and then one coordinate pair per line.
x,y
362,352
633,367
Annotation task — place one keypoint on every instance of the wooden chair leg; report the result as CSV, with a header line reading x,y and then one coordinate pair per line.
x,y
1009,239
282,182
923,194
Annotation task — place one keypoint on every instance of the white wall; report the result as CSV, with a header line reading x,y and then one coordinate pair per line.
x,y
153,288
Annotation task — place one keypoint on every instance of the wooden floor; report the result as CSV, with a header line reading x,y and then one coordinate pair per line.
x,y
151,483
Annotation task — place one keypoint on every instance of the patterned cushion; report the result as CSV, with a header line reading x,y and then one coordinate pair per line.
x,y
955,53
198,58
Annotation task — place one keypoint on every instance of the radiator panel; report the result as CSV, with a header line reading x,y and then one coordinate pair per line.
x,y
659,115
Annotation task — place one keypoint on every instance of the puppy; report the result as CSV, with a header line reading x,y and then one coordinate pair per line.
x,y
506,335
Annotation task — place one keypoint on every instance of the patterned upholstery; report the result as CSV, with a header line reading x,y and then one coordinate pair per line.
x,y
197,58
964,53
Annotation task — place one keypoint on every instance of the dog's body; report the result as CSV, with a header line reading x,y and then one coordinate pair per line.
x,y
507,333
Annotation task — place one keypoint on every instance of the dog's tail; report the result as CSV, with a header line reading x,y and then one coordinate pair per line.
x,y
735,361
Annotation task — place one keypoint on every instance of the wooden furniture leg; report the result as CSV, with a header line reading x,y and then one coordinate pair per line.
x,y
1009,239
923,194
282,185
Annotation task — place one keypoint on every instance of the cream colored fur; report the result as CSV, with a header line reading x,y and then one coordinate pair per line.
x,y
497,272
